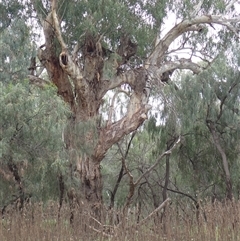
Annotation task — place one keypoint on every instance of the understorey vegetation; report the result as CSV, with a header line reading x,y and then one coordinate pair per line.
x,y
216,221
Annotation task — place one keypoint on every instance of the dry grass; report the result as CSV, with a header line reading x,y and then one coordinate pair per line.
x,y
221,222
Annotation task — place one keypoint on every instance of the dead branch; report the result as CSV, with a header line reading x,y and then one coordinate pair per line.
x,y
101,232
178,64
121,174
131,182
154,211
181,193
102,228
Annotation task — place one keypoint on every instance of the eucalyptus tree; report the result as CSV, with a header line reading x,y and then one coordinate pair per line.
x,y
222,117
91,48
16,51
209,117
31,153
26,131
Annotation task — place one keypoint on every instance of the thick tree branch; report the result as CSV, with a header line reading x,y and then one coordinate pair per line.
x,y
49,60
173,65
128,77
113,133
187,25
65,59
136,112
57,26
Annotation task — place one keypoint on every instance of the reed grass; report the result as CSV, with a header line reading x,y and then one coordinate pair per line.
x,y
215,222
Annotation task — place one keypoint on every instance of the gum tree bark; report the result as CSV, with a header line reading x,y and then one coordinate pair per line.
x,y
83,89
83,86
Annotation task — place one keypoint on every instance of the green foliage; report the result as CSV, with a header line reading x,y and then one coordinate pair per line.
x,y
108,20
31,127
8,11
213,95
15,51
196,166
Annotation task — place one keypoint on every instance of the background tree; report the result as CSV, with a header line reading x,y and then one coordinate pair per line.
x,y
30,157
31,152
209,124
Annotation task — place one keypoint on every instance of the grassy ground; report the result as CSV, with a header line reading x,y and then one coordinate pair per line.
x,y
218,222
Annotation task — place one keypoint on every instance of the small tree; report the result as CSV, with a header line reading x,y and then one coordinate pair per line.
x,y
210,123
30,140
30,144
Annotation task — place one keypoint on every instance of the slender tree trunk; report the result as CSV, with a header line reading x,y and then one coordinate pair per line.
x,y
113,193
217,143
170,144
165,188
61,192
164,193
167,175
